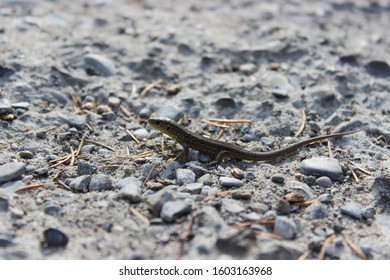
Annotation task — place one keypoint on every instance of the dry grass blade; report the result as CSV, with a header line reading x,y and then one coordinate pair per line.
x,y
89,127
326,243
183,236
110,166
99,144
80,145
29,187
228,121
355,177
92,113
125,110
269,234
329,149
132,136
360,168
216,124
354,248
140,217
149,87
303,124
150,173
220,132
305,255
72,158
262,222
307,202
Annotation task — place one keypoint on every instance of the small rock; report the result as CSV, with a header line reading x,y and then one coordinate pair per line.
x,y
100,182
4,204
114,101
270,215
171,112
51,208
109,116
247,68
85,168
194,188
185,176
249,175
146,168
173,210
232,206
260,208
21,105
5,106
210,221
130,188
278,84
80,184
352,210
26,154
229,182
141,134
317,211
17,213
285,227
78,122
325,198
378,69
300,188
279,251
11,171
282,207
278,178
329,167
99,64
157,200
54,238
324,182
369,213
41,171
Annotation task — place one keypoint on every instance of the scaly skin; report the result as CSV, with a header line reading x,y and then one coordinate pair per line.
x,y
222,150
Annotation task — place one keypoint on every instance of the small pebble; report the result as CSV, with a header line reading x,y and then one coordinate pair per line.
x,y
146,168
141,134
5,106
100,64
270,215
17,213
100,182
4,204
351,210
157,200
54,238
230,182
173,210
78,122
317,211
185,176
51,208
26,154
285,227
114,101
368,213
247,68
85,167
80,184
325,198
130,188
232,206
249,175
282,207
11,171
329,167
278,178
324,182
194,188
109,116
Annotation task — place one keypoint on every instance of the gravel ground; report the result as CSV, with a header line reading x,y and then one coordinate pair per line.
x,y
82,175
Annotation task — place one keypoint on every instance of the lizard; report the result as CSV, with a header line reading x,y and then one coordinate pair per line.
x,y
222,150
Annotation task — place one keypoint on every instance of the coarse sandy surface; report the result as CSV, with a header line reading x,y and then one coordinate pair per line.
x,y
79,80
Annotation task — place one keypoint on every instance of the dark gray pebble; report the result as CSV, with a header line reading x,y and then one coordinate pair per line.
x,y
185,176
173,210
378,69
4,204
85,167
278,178
78,122
230,182
329,167
100,182
11,171
157,200
324,182
26,154
80,184
279,251
146,168
194,188
282,207
368,213
51,208
249,175
54,238
109,116
352,210
325,198
171,112
317,211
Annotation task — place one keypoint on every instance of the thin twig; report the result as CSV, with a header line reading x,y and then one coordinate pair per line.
x,y
326,243
228,121
149,87
150,173
99,144
72,158
125,110
132,136
29,187
140,217
219,135
216,124
329,149
78,152
185,233
355,177
92,113
305,255
269,234
360,168
354,248
109,166
303,124
306,203
261,222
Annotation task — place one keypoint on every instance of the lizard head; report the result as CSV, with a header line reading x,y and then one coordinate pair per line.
x,y
165,125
